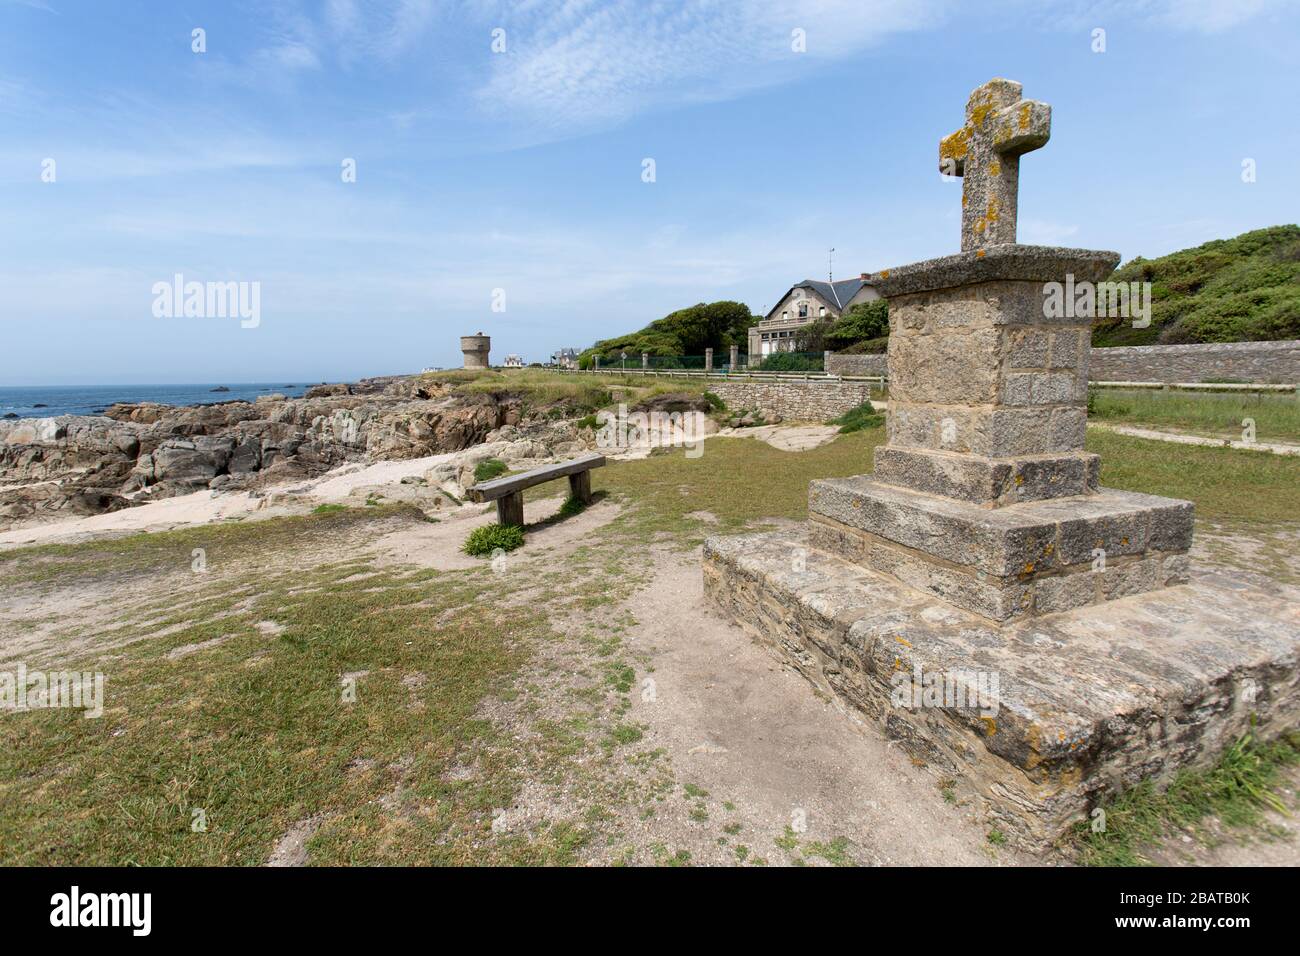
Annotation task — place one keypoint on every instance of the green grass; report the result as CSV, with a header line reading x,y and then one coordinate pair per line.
x,y
1238,790
738,480
487,538
1217,414
1240,487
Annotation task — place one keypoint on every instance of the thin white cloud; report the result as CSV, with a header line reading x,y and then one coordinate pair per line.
x,y
1198,16
588,64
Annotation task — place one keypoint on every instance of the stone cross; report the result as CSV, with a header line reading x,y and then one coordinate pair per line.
x,y
1000,126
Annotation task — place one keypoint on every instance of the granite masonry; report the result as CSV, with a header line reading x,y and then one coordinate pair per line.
x,y
1013,624
1260,362
797,401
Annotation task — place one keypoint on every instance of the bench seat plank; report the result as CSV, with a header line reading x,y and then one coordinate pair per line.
x,y
501,487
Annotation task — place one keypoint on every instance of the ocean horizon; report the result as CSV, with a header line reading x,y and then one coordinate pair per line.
x,y
49,401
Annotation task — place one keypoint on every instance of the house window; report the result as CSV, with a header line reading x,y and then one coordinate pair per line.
x,y
822,313
803,310
784,316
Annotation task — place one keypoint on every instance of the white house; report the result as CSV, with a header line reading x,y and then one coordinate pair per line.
x,y
802,305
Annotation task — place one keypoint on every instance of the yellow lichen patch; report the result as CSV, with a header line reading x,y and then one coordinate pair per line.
x,y
990,726
993,209
955,146
995,168
979,253
1026,112
963,201
979,225
884,273
902,641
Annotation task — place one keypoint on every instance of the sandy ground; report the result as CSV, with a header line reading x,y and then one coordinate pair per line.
x,y
334,487
203,507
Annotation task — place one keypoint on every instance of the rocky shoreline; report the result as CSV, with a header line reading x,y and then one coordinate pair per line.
x,y
72,466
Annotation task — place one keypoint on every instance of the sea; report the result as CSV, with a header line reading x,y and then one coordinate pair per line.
x,y
47,401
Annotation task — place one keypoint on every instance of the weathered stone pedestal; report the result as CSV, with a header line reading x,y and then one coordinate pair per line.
x,y
1018,628
984,495
1037,720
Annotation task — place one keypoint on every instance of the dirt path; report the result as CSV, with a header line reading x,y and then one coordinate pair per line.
x,y
750,732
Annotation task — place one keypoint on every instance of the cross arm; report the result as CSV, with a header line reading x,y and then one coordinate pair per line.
x,y
1022,127
952,152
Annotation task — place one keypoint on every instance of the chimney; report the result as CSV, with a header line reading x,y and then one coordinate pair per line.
x,y
865,277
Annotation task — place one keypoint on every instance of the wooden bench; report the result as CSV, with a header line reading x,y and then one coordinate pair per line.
x,y
508,492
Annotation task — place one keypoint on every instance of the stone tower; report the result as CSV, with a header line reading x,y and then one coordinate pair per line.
x,y
476,348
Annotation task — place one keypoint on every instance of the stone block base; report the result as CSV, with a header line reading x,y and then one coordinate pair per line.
x,y
1039,720
1037,557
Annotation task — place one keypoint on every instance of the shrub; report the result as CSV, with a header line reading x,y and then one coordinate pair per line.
x,y
716,401
856,419
572,506
488,469
1229,290
791,362
487,538
328,509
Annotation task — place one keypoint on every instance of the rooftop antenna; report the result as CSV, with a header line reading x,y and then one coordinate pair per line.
x,y
830,265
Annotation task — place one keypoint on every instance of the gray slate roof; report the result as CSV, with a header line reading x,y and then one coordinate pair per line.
x,y
840,293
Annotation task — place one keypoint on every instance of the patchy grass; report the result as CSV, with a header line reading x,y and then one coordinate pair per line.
x,y
1215,414
739,480
255,729
1238,790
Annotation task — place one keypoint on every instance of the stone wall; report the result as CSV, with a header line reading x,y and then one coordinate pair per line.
x,y
837,364
1244,361
799,401
1247,361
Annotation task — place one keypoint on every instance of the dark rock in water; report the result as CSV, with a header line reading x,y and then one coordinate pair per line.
x,y
40,405
219,388
10,415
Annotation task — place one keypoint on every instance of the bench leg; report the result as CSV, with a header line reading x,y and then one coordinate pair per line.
x,y
580,486
510,509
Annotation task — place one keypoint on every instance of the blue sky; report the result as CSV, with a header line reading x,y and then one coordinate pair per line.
x,y
522,170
